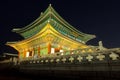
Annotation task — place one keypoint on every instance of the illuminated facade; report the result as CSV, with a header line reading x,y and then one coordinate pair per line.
x,y
49,34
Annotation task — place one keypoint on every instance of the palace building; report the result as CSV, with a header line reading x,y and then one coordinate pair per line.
x,y
49,34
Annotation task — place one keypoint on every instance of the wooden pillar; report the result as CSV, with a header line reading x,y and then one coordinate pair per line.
x,y
24,53
38,51
32,51
19,54
49,48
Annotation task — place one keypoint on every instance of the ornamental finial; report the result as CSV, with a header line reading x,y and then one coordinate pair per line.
x,y
101,45
50,5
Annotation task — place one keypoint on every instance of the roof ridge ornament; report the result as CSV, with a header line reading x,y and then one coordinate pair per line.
x,y
50,10
41,13
50,4
101,47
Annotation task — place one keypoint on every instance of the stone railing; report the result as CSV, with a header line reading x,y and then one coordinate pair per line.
x,y
76,56
78,51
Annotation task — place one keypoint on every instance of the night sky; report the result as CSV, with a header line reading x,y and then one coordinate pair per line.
x,y
98,17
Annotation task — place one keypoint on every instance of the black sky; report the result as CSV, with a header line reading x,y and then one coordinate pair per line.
x,y
98,17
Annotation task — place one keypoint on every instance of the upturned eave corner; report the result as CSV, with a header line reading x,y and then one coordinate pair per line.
x,y
90,37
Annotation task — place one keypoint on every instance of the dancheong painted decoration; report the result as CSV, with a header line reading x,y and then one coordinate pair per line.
x,y
49,34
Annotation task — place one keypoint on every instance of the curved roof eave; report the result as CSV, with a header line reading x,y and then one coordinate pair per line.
x,y
48,13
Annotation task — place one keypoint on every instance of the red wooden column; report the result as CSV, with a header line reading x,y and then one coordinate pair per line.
x,y
33,49
38,51
49,48
19,54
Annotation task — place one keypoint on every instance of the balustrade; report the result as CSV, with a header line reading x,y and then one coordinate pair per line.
x,y
77,58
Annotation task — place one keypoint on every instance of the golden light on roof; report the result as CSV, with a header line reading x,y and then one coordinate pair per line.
x,y
50,33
